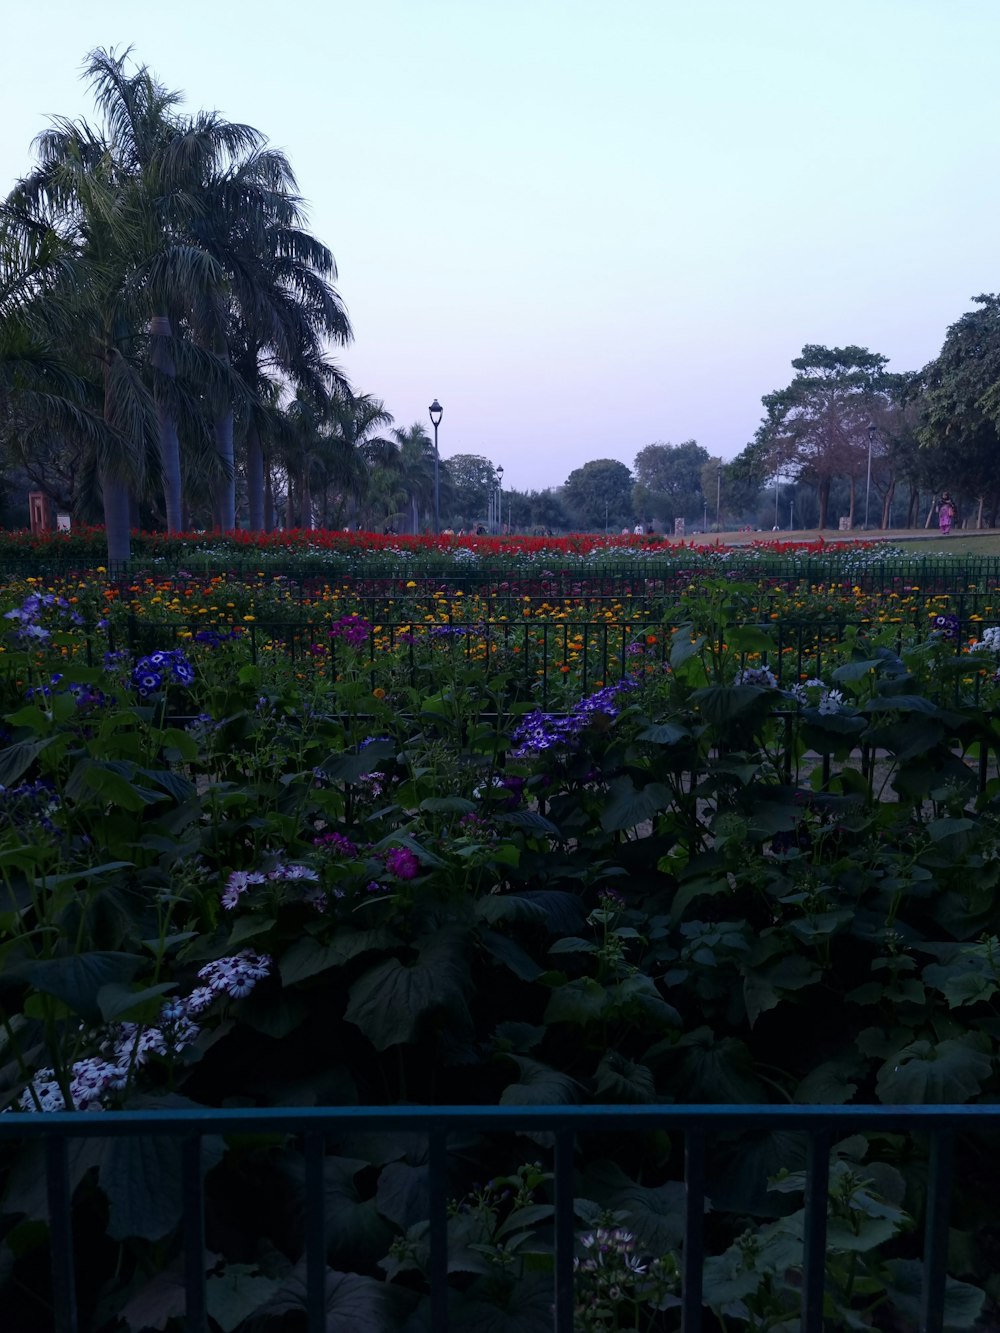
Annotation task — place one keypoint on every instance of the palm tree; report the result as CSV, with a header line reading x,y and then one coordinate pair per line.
x,y
416,464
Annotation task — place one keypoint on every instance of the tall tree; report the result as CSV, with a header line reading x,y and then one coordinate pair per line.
x,y
959,408
816,428
599,493
668,480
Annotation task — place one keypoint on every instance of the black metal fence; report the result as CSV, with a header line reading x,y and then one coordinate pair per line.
x,y
699,1124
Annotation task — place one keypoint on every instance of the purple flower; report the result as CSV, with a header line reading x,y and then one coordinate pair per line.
x,y
402,863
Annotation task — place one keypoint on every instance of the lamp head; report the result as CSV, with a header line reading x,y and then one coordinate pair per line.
x,y
436,411
500,471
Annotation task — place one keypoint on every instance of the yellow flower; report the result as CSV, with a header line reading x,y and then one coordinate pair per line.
x,y
378,693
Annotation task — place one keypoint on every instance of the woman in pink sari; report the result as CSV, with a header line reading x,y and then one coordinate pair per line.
x,y
946,514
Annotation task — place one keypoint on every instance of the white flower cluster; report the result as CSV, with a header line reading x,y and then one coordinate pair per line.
x,y
990,641
762,676
829,701
126,1046
240,881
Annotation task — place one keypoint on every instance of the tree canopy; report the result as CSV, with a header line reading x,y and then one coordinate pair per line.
x,y
599,493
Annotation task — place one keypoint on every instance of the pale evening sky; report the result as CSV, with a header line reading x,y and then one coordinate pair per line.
x,y
588,226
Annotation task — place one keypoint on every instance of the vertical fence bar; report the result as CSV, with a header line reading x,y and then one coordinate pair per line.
x,y
814,1241
694,1230
315,1237
564,1231
437,1165
936,1231
195,1309
61,1234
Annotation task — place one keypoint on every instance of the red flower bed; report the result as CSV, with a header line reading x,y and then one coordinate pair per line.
x,y
89,541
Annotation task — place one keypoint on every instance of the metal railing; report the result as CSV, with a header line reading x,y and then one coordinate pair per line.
x,y
697,1123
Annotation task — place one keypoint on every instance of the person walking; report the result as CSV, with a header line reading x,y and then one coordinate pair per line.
x,y
946,514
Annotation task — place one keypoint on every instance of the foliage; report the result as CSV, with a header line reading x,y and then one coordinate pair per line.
x,y
668,481
599,494
258,884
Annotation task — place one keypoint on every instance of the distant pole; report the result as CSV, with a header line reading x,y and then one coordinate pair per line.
x,y
436,411
777,492
499,496
872,433
791,509
718,498
706,516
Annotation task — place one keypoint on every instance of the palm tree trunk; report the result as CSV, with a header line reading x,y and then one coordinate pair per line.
x,y
255,479
268,498
117,526
225,489
170,454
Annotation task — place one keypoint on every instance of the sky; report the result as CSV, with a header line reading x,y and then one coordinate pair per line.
x,y
585,227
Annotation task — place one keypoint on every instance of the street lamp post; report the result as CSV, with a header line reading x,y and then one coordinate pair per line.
x,y
872,434
499,496
436,411
718,499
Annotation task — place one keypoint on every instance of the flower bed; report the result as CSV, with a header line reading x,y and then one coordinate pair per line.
x,y
398,872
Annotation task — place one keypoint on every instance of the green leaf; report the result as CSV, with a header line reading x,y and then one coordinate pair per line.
x,y
539,1085
921,1073
829,1083
117,1000
403,1193
236,1293
573,944
245,928
559,911
628,805
351,767
77,981
447,805
580,1001
963,1303
141,1176
619,1079
308,956
664,733
511,955
361,1304
16,759
655,1213
388,1001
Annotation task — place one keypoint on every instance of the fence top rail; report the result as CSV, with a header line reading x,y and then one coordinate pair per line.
x,y
327,1119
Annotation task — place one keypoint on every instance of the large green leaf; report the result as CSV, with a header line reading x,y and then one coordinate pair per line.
x,y
236,1292
618,1079
560,912
16,759
922,1073
582,1000
79,979
351,767
716,1070
629,805
539,1085
351,1302
526,1308
655,1212
963,1303
308,956
141,1176
403,1193
388,1001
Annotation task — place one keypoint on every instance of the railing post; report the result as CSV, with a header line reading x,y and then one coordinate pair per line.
x,y
195,1309
61,1234
814,1240
315,1237
564,1231
437,1166
694,1229
936,1231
